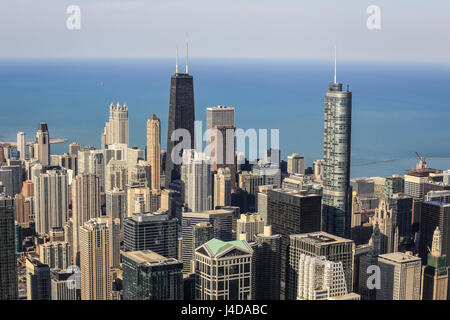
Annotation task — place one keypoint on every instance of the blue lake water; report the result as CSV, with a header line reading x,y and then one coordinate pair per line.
x,y
398,108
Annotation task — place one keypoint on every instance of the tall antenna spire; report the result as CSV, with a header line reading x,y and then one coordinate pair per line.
x,y
187,56
335,65
176,65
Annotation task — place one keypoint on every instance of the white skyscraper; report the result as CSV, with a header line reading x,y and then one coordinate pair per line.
x,y
197,181
116,129
21,145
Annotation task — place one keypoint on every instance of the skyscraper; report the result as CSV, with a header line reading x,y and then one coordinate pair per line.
x,y
386,218
249,225
320,279
291,212
151,276
85,205
223,153
434,214
220,219
400,277
197,181
99,245
116,204
336,198
65,284
316,244
56,254
21,144
181,116
42,146
156,231
38,280
154,150
8,267
219,116
51,198
223,270
266,276
222,187
435,273
116,129
296,164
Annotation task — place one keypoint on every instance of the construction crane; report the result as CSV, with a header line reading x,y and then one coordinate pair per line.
x,y
422,161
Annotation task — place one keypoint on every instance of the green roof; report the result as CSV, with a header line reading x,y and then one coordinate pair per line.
x,y
217,246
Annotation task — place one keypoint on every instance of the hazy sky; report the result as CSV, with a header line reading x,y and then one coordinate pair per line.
x,y
414,30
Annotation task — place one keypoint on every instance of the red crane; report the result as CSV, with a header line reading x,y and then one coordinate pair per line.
x,y
422,161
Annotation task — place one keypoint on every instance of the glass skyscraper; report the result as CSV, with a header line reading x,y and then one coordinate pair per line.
x,y
336,210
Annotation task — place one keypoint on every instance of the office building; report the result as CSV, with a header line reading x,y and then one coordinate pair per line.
x,y
222,187
400,276
197,181
74,147
336,210
223,270
154,150
42,145
266,265
8,267
439,196
181,116
320,279
116,204
393,184
151,276
116,129
65,284
249,225
11,179
435,273
155,231
56,254
365,262
85,205
219,116
296,164
386,218
291,212
221,219
141,200
99,245
38,280
223,150
116,175
434,214
51,197
333,248
21,145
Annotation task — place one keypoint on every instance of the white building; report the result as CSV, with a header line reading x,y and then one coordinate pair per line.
x,y
296,164
321,279
21,145
197,179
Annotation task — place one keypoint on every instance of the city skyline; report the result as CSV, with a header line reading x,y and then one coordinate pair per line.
x,y
289,178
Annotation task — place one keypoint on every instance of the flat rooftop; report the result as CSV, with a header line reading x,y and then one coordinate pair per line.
x,y
295,193
320,238
399,257
148,258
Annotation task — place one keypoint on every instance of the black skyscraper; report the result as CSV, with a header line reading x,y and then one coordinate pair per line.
x,y
181,115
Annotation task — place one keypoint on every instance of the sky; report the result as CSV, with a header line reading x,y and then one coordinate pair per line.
x,y
411,30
